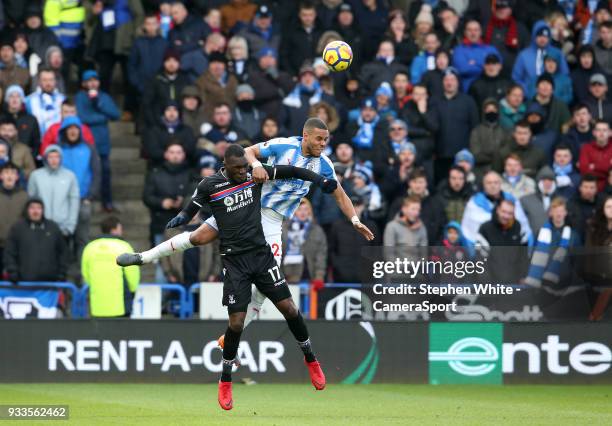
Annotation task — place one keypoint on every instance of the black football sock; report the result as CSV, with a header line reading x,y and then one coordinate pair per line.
x,y
300,332
230,349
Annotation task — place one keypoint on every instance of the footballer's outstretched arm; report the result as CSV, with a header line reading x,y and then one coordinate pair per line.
x,y
290,172
346,206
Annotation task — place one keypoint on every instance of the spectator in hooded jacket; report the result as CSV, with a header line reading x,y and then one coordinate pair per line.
x,y
96,108
45,103
12,200
567,178
169,129
192,108
166,86
600,107
21,154
147,54
270,84
58,188
458,115
380,69
487,138
83,160
454,193
248,117
529,64
27,126
562,82
40,38
469,56
596,157
35,247
543,136
188,30
51,136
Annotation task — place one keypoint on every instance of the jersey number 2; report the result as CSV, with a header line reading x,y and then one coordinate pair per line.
x,y
275,250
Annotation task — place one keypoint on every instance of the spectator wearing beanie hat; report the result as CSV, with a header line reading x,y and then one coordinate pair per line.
x,y
530,61
247,117
556,112
40,38
27,126
395,181
217,85
465,159
600,107
166,86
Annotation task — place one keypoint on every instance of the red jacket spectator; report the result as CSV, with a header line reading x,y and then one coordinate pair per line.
x,y
50,136
596,160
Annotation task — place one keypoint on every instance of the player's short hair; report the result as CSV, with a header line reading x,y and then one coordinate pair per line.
x,y
234,150
315,123
109,223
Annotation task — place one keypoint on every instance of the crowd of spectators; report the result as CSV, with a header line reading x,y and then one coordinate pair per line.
x,y
468,122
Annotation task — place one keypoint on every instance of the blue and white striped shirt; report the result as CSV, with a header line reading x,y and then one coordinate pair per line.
x,y
284,195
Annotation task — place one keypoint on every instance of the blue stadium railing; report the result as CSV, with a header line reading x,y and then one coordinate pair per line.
x,y
76,304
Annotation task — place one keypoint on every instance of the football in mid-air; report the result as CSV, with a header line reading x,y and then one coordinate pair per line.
x,y
338,55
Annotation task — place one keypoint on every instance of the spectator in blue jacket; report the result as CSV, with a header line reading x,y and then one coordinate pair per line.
x,y
188,31
81,159
530,61
469,56
562,82
147,54
426,59
96,108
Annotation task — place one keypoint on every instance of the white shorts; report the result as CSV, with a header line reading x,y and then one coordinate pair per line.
x,y
272,224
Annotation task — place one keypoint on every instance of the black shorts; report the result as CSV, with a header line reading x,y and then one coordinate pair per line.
x,y
257,267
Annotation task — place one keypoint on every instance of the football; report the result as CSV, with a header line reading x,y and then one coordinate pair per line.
x,y
338,55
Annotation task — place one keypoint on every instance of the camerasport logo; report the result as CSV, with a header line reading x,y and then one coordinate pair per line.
x,y
476,353
145,355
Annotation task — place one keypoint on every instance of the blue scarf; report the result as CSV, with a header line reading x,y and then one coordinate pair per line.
x,y
547,260
563,170
294,99
364,138
296,236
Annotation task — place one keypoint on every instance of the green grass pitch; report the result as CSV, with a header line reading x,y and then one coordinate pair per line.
x,y
180,404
